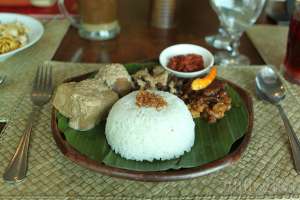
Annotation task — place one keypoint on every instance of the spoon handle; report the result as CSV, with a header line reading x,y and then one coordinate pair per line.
x,y
295,144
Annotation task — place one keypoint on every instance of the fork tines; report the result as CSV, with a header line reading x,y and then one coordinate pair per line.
x,y
43,78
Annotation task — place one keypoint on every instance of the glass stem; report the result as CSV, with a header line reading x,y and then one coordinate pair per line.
x,y
235,44
221,28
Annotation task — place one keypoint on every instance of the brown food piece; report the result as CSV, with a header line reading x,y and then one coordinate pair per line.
x,y
85,103
175,85
116,77
122,86
149,99
156,78
210,103
186,63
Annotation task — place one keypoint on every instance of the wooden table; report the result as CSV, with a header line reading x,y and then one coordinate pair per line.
x,y
139,41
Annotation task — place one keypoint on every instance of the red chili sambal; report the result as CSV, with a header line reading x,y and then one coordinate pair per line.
x,y
186,63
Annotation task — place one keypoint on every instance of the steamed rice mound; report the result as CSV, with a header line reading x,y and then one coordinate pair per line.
x,y
147,133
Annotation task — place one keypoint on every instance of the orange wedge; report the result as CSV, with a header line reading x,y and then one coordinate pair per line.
x,y
201,83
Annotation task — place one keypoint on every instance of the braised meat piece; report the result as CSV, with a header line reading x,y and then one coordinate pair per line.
x,y
210,103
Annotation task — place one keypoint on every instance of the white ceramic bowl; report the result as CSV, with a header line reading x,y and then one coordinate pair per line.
x,y
35,27
183,49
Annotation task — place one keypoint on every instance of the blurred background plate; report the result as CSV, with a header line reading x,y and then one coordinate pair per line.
x,y
35,27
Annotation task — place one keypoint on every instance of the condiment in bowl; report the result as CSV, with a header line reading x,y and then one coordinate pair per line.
x,y
186,60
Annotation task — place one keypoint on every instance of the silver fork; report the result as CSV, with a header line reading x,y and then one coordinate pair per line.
x,y
40,95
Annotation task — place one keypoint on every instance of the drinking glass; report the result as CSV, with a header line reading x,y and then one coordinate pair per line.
x,y
236,16
292,58
221,40
98,18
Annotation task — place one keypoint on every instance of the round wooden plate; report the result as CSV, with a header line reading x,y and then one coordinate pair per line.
x,y
170,175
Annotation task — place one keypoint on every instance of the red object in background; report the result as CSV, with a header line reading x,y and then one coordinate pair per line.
x,y
25,7
14,3
292,59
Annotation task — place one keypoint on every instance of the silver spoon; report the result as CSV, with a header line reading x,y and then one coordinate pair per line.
x,y
270,88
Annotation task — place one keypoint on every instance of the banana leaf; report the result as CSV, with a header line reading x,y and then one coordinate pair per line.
x,y
212,141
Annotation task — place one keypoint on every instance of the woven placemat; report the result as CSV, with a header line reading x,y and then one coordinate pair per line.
x,y
270,41
265,170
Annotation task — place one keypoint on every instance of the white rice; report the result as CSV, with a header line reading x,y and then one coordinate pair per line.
x,y
140,133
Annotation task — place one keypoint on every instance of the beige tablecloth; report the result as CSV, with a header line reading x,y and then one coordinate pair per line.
x,y
265,170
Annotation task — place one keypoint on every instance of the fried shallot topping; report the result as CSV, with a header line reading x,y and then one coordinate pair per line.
x,y
148,99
